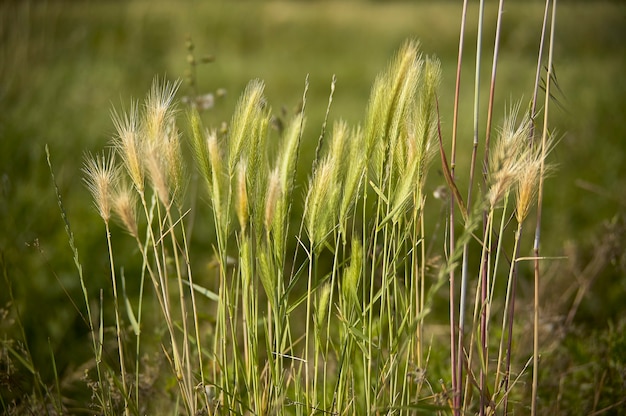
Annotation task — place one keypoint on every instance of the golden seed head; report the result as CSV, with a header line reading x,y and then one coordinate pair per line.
x,y
527,188
534,168
125,207
101,176
154,160
242,196
173,159
509,156
128,144
159,109
271,199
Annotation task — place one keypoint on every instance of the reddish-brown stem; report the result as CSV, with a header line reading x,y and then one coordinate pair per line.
x,y
456,387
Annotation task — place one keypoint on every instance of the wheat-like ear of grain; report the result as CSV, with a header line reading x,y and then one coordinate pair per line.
x,y
101,176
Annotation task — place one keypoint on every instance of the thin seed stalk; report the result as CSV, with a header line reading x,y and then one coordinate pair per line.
x,y
510,309
456,387
118,327
187,378
544,139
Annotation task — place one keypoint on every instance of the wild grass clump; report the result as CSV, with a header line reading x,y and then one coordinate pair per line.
x,y
334,316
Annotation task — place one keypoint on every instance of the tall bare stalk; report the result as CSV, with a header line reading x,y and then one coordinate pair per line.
x,y
544,149
456,387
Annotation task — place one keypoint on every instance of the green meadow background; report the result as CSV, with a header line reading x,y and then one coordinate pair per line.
x,y
64,65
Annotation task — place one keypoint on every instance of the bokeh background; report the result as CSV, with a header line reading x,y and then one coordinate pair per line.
x,y
65,64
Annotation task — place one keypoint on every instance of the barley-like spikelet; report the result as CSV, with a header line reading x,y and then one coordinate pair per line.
x,y
173,160
322,304
162,157
352,276
508,157
354,174
417,144
258,167
402,193
249,109
272,199
267,274
391,98
125,207
528,179
217,173
128,144
159,109
242,197
199,146
286,163
402,111
320,202
287,158
420,144
427,120
338,147
101,176
154,160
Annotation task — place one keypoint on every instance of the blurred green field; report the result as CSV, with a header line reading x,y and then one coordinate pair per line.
x,y
63,65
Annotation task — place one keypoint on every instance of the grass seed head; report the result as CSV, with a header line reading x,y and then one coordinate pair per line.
x,y
534,166
322,304
242,197
101,176
352,277
321,202
272,198
288,155
250,109
173,160
509,156
159,108
355,171
391,98
199,145
157,173
125,207
128,143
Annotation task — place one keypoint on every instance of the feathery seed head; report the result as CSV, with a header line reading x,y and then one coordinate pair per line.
x,y
101,176
355,171
272,198
322,304
125,207
508,157
217,172
534,167
338,145
288,155
159,109
199,146
321,201
173,159
352,277
391,100
528,181
157,172
128,144
242,196
250,109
